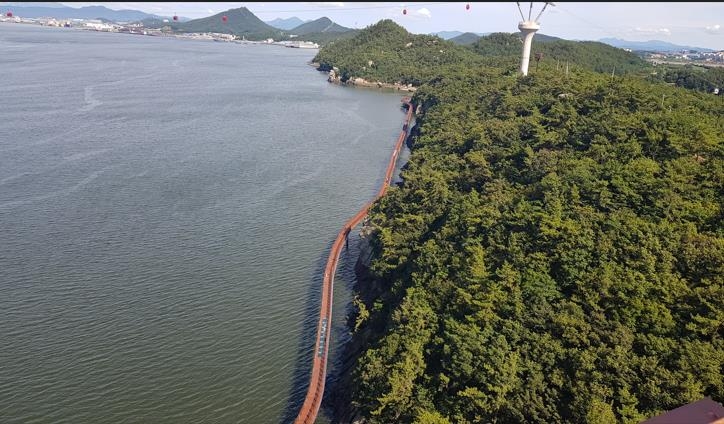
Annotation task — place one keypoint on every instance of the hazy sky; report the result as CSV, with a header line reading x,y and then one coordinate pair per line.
x,y
694,24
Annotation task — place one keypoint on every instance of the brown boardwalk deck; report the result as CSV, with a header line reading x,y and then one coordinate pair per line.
x,y
310,408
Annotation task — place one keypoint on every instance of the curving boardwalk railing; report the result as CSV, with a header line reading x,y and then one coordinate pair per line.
x,y
310,407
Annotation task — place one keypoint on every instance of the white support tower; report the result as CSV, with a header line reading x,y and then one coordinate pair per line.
x,y
528,28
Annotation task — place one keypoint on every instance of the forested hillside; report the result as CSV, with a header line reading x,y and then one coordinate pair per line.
x,y
465,39
586,54
554,254
692,77
318,25
386,52
327,38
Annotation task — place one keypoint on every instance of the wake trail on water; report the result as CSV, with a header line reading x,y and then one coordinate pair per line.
x,y
62,192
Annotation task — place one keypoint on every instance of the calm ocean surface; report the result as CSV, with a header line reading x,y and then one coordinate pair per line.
x,y
166,209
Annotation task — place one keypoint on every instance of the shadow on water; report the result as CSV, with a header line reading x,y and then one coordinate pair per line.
x,y
344,279
342,329
305,349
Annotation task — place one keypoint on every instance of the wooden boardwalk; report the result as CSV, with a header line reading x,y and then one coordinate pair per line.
x,y
310,408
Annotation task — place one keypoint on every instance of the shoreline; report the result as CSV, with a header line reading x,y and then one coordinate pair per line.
x,y
154,32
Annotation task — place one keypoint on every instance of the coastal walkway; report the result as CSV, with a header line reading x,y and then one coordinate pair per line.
x,y
310,408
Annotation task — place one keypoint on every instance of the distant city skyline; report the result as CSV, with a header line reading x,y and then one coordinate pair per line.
x,y
694,24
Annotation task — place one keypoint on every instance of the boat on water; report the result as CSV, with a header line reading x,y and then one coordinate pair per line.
x,y
303,45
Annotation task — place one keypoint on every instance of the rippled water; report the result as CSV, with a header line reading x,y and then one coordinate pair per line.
x,y
166,208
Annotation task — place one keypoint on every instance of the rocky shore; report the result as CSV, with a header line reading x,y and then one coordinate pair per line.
x,y
335,78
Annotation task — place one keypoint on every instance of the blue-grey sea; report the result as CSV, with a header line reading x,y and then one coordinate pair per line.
x,y
166,209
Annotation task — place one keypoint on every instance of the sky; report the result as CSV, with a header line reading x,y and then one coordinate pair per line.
x,y
693,24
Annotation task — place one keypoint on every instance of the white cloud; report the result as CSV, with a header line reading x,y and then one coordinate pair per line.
x,y
210,11
714,29
653,31
424,12
393,12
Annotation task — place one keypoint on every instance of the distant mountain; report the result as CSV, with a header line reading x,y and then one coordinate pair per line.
x,y
285,24
543,38
465,38
651,45
238,21
446,35
31,10
244,23
469,38
321,25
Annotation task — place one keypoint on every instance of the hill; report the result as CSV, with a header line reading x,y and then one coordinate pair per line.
x,y
241,22
651,45
447,35
326,38
592,55
465,39
543,38
320,25
285,24
386,52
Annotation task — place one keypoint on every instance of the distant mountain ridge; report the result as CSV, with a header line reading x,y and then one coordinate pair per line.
x,y
286,24
449,35
320,25
240,21
466,38
243,23
34,4
651,45
59,11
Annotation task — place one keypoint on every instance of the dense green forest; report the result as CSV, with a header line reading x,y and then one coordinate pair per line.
x,y
554,254
692,77
588,54
388,53
326,38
